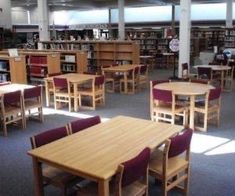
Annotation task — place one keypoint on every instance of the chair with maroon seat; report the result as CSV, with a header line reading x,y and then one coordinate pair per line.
x,y
210,108
131,178
80,124
172,164
204,73
11,109
95,92
51,175
62,92
152,84
132,81
165,107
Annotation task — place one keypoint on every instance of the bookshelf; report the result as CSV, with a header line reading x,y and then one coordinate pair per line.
x,y
101,53
229,39
13,69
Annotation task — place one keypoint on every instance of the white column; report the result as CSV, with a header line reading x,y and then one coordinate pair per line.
x,y
229,14
43,20
185,28
5,14
121,22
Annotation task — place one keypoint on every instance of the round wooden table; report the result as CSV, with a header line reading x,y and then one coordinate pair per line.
x,y
221,68
189,89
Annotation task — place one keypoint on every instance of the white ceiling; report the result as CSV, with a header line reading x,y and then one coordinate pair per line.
x,y
91,4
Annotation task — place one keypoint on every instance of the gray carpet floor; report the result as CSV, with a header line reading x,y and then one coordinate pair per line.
x,y
212,166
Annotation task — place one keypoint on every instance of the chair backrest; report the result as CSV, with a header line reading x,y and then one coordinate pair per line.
x,y
214,93
48,136
99,80
32,92
12,98
143,69
204,72
162,95
80,124
184,66
200,81
60,83
180,143
135,168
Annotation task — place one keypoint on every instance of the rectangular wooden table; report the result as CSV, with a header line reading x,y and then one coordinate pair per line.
x,y
74,79
96,152
121,69
13,87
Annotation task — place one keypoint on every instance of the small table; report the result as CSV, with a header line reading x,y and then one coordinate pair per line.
x,y
221,68
96,152
13,87
74,79
189,89
123,69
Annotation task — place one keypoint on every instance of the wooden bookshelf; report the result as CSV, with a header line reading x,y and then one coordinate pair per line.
x,y
13,69
101,53
229,39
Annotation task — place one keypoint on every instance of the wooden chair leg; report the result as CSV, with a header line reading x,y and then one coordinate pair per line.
x,y
4,128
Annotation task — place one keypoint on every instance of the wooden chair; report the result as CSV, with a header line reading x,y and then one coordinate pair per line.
x,y
143,77
81,124
204,73
152,104
165,107
229,79
32,99
131,178
52,175
210,108
186,72
11,110
95,91
132,81
50,86
62,92
171,165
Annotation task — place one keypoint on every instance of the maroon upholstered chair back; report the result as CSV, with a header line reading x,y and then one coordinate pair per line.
x,y
204,72
184,66
180,143
143,69
135,168
12,98
60,83
99,80
162,95
200,81
48,136
32,92
214,93
81,124
154,82
136,70
5,83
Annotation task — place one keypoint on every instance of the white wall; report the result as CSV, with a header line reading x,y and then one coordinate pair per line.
x,y
19,16
5,14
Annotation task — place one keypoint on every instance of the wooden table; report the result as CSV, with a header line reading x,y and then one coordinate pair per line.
x,y
221,68
189,89
74,79
121,69
13,87
96,152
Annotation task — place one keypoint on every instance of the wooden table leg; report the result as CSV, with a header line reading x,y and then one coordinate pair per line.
x,y
125,83
222,80
191,120
47,94
38,181
103,187
75,90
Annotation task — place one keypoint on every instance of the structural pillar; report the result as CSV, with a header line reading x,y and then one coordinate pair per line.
x,y
173,19
229,14
43,20
184,37
5,14
121,22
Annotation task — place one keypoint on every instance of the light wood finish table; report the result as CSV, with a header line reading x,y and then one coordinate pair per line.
x,y
96,152
74,79
221,68
189,89
121,69
13,87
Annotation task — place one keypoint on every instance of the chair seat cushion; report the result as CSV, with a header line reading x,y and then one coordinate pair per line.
x,y
167,109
